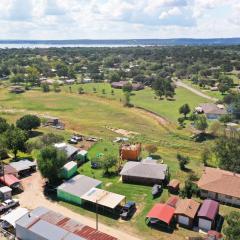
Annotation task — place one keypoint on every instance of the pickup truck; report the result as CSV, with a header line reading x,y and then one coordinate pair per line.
x,y
10,203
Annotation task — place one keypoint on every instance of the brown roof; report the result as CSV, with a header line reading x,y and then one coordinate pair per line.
x,y
187,207
172,201
174,183
9,170
220,181
212,108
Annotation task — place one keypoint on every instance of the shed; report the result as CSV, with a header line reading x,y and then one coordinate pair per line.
x,y
24,166
82,156
70,150
161,213
103,198
173,186
14,216
207,214
130,152
10,181
186,212
5,193
69,169
73,189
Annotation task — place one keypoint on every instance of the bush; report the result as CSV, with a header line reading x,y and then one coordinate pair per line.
x,y
183,161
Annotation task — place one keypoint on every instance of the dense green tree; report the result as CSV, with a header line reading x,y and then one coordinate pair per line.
x,y
189,189
33,75
17,78
14,139
3,125
108,161
127,87
232,230
185,110
223,88
227,151
201,123
50,161
45,87
28,122
183,161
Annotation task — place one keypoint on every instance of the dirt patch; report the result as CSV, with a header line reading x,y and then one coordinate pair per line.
x,y
123,132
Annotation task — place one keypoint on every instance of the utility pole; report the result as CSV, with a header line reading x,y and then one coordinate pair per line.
x,y
96,214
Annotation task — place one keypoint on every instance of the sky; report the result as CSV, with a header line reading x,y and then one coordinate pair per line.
x,y
118,19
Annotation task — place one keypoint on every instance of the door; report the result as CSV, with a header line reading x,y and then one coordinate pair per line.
x,y
183,220
204,224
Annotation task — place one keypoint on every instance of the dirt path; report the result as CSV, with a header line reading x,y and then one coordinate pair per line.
x,y
197,92
33,197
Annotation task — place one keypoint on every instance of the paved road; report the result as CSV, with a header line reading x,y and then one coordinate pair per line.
x,y
33,197
194,90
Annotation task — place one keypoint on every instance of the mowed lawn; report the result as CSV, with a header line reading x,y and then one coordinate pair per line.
x,y
90,113
146,98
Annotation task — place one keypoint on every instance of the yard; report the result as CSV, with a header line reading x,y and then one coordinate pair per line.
x,y
91,114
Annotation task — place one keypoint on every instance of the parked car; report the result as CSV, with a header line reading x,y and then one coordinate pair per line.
x,y
72,141
128,210
156,190
10,203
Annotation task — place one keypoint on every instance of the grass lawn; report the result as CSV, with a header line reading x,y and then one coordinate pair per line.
x,y
90,113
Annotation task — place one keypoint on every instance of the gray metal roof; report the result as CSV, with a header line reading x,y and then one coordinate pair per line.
x,y
48,231
69,149
22,165
79,185
145,170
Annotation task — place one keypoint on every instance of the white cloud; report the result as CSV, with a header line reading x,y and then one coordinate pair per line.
x,y
171,12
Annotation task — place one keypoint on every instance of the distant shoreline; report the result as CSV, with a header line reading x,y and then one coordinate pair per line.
x,y
118,42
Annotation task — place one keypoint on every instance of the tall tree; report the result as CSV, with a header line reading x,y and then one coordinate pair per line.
x,y
201,123
232,230
185,110
14,139
28,122
3,125
50,161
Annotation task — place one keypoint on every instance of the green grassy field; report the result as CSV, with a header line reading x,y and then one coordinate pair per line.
x,y
90,113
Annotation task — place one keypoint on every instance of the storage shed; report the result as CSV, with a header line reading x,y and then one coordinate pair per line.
x,y
82,156
10,181
5,193
173,186
186,212
68,170
207,214
160,214
73,189
24,167
130,152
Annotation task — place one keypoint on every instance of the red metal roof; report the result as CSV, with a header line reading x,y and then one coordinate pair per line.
x,y
9,180
172,201
163,212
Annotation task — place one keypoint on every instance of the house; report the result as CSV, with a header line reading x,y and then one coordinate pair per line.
x,y
144,173
212,110
70,150
68,170
207,214
16,89
5,193
186,212
121,84
10,181
172,201
161,214
173,186
220,185
24,167
42,223
130,152
73,189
